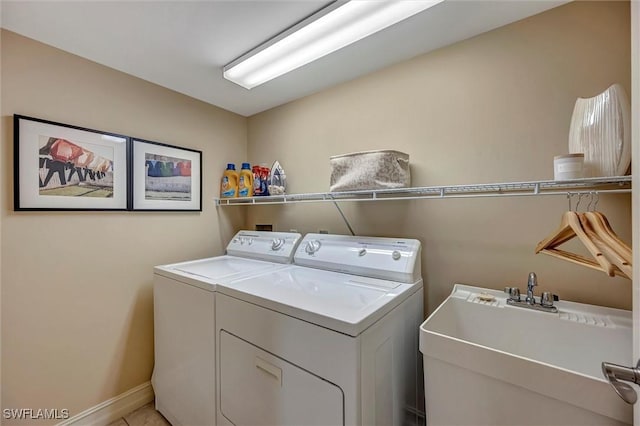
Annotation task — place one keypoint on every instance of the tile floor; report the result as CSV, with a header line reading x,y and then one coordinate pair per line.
x,y
143,416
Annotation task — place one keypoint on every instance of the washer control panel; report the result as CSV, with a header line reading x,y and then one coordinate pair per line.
x,y
264,245
396,259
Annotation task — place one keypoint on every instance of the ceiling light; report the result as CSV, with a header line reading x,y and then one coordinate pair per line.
x,y
330,29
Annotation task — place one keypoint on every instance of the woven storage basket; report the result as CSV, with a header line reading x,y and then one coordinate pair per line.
x,y
381,169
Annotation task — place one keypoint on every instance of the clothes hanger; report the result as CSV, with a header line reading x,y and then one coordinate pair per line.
x,y
572,220
571,227
600,225
621,266
603,230
563,234
580,260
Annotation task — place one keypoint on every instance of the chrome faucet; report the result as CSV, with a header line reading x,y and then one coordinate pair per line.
x,y
531,283
546,299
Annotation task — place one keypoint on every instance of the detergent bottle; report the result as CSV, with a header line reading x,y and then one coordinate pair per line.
x,y
256,180
245,182
229,182
265,174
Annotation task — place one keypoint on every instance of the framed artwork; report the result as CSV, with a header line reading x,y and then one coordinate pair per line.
x,y
165,177
62,167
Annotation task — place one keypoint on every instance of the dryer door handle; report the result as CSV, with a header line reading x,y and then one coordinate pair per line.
x,y
270,369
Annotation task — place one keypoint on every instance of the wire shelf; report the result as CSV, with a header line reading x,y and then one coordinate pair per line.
x,y
600,185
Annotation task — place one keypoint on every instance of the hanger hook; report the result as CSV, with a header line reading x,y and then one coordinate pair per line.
x,y
579,199
591,201
595,205
570,196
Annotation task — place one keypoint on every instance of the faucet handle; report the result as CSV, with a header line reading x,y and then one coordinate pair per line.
x,y
513,292
548,298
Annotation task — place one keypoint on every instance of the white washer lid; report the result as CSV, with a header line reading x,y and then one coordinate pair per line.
x,y
342,302
207,273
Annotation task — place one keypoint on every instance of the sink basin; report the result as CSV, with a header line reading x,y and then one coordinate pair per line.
x,y
486,362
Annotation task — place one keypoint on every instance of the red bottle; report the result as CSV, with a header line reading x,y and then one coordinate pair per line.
x,y
257,188
264,180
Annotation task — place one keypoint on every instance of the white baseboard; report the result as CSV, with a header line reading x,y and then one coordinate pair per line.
x,y
114,408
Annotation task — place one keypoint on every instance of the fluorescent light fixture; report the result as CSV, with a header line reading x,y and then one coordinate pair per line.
x,y
330,29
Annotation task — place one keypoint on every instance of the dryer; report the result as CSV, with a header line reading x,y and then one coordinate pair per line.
x,y
184,296
330,340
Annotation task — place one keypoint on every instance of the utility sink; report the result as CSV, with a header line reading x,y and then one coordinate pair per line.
x,y
489,363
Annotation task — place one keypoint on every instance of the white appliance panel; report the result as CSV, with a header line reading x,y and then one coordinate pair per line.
x,y
184,339
376,370
394,259
341,302
184,376
221,267
327,354
257,388
271,246
208,273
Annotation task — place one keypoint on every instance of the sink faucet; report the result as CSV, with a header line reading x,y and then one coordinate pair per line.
x,y
531,283
546,299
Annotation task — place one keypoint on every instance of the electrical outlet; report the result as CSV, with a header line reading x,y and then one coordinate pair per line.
x,y
264,227
323,231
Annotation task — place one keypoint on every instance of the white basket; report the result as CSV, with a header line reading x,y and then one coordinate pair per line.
x,y
381,169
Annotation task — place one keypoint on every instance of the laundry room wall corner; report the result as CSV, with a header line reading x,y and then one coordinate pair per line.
x,y
77,300
493,108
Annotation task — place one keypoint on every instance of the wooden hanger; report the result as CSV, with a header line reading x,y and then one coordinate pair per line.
x,y
570,227
563,233
621,266
601,226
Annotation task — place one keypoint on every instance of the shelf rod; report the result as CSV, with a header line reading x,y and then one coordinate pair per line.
x,y
431,196
509,189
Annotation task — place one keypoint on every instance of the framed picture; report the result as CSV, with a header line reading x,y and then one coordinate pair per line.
x,y
165,177
63,167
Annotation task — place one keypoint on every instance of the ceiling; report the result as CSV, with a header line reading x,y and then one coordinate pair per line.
x,y
183,45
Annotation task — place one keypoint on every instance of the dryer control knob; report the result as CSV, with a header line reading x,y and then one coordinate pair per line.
x,y
312,246
362,252
396,255
277,243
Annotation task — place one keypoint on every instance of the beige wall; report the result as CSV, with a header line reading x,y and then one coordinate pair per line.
x,y
77,312
493,108
1,194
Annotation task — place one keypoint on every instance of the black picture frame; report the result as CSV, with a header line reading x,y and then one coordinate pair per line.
x,y
164,177
59,166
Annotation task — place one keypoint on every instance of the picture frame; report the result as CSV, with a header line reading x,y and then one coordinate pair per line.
x,y
58,166
165,177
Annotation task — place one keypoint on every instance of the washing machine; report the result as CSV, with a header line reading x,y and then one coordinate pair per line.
x,y
330,340
184,297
